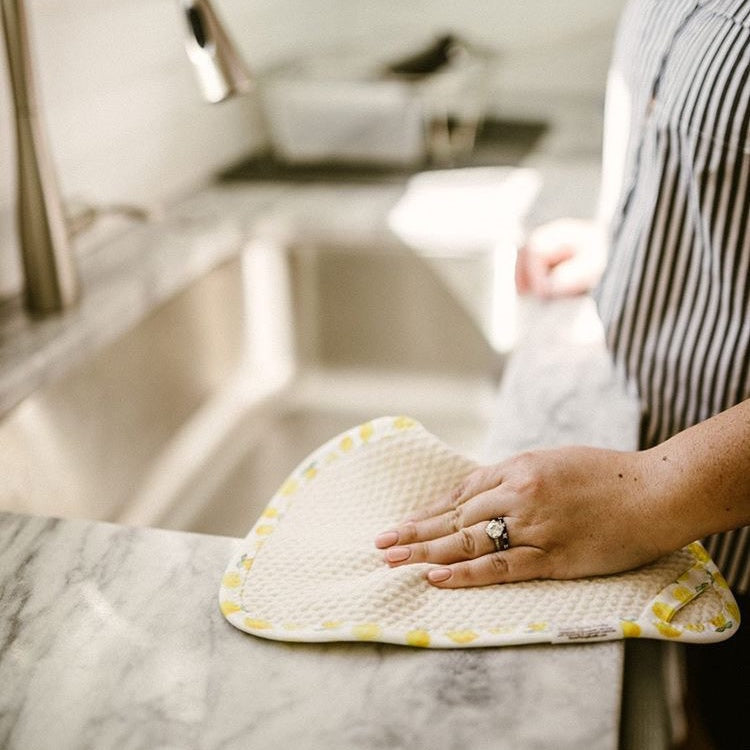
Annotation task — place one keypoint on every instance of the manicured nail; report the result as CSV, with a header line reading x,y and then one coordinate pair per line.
x,y
386,539
439,575
397,554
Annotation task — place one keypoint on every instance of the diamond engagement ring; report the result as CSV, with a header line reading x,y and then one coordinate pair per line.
x,y
498,532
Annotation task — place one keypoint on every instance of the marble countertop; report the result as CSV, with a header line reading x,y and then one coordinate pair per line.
x,y
111,637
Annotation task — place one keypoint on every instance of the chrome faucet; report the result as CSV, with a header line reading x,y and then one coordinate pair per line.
x,y
51,278
219,68
50,273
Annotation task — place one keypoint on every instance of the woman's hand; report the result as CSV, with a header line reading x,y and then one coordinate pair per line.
x,y
570,512
562,258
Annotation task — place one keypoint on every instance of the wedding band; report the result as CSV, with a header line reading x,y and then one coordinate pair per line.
x,y
497,530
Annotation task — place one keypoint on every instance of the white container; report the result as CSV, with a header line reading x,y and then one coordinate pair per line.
x,y
341,108
314,120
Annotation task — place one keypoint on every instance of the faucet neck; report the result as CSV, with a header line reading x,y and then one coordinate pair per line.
x,y
50,272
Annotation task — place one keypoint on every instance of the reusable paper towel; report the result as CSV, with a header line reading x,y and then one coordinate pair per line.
x,y
308,570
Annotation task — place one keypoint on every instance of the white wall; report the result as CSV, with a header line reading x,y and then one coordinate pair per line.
x,y
126,122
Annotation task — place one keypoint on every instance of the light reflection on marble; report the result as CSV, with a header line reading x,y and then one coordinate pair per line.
x,y
111,637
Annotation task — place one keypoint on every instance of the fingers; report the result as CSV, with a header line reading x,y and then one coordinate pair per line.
x,y
440,532
480,480
464,544
562,258
476,509
523,281
517,564
452,533
544,270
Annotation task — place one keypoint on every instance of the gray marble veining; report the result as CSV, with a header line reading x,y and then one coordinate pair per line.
x,y
111,637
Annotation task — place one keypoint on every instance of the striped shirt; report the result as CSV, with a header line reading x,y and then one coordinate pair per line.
x,y
675,297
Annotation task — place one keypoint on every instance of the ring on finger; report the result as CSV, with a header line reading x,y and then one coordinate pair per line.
x,y
497,530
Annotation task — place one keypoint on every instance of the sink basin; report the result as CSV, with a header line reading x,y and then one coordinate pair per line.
x,y
193,418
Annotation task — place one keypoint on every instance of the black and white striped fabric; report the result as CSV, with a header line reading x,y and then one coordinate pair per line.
x,y
675,298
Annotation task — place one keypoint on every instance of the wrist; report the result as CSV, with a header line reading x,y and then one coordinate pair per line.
x,y
649,500
677,511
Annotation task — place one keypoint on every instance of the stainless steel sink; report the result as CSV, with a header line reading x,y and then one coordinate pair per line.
x,y
192,419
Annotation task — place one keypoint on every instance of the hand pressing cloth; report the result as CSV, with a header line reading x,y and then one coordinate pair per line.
x,y
308,569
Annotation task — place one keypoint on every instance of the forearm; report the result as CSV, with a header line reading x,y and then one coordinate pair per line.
x,y
699,479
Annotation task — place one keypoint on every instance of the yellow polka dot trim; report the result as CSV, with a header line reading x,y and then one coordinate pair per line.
x,y
663,611
720,581
631,629
368,631
683,594
537,627
695,627
699,552
667,630
289,487
346,444
462,636
501,629
232,580
419,638
257,624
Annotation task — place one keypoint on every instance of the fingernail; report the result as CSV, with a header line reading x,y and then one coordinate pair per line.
x,y
398,554
386,539
439,575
